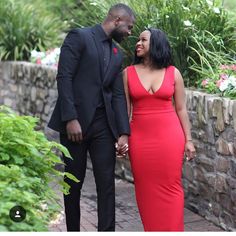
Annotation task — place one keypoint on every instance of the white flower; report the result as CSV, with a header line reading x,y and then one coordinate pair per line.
x,y
57,51
210,2
167,16
44,206
232,81
59,219
49,58
187,23
185,8
216,10
36,54
224,85
33,53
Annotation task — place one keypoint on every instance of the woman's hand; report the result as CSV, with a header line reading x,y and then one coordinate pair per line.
x,y
190,150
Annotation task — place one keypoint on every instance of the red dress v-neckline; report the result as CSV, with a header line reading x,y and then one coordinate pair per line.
x,y
151,94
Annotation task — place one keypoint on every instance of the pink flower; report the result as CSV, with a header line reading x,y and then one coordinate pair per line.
x,y
38,61
218,82
204,82
224,67
233,67
223,76
115,50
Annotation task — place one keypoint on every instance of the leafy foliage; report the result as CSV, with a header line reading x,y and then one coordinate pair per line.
x,y
24,27
196,29
230,5
64,9
201,32
27,161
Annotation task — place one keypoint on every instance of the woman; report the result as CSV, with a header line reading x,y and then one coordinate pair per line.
x,y
160,132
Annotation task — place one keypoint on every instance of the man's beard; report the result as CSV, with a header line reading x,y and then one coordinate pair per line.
x,y
117,36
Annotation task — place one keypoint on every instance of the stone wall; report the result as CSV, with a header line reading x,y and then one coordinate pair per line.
x,y
209,181
29,89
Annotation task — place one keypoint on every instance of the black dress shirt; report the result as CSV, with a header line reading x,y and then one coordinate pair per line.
x,y
106,43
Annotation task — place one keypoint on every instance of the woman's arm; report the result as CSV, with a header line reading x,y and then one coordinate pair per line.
x,y
125,81
181,110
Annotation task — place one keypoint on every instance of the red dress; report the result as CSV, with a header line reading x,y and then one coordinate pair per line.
x,y
156,149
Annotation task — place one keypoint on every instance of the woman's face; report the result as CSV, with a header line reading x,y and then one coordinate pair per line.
x,y
143,44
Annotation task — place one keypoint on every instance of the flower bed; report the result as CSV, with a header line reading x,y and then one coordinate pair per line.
x,y
223,81
48,58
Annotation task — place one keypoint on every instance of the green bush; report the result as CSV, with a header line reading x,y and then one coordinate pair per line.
x,y
27,161
194,28
64,9
26,26
230,4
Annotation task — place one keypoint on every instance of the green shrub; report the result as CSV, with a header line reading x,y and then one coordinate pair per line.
x,y
193,27
24,27
63,9
27,161
231,5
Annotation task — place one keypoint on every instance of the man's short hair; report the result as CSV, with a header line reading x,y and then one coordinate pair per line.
x,y
121,6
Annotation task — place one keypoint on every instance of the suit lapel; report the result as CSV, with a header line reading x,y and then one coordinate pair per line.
x,y
114,55
113,58
99,51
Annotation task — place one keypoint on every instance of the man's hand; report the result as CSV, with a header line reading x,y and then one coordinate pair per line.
x,y
74,131
122,145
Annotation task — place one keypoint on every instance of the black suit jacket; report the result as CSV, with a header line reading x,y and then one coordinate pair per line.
x,y
81,79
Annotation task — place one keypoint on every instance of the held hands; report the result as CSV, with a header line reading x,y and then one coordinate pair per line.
x,y
74,131
122,146
190,151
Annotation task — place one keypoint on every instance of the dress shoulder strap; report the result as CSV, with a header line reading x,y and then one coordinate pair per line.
x,y
171,73
129,71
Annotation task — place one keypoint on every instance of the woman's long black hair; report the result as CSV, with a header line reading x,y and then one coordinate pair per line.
x,y
159,52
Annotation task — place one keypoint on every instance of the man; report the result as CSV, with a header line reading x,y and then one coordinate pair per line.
x,y
91,113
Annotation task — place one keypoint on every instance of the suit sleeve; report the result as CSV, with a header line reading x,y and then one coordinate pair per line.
x,y
120,106
68,63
